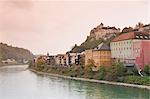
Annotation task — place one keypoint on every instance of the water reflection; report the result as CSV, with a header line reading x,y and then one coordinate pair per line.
x,y
19,83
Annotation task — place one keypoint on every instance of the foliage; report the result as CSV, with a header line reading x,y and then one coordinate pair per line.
x,y
137,80
90,43
8,52
91,64
147,70
101,73
82,60
115,71
40,62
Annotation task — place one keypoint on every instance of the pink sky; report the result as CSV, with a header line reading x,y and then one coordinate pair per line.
x,y
55,26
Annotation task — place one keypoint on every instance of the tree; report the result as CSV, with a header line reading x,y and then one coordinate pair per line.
x,y
91,64
147,70
116,71
41,61
82,60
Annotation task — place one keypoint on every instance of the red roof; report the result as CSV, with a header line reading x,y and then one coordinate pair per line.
x,y
125,36
130,35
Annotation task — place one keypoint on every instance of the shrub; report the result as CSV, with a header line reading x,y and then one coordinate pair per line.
x,y
101,73
115,71
91,63
137,80
147,70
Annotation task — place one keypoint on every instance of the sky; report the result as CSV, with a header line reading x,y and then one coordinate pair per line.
x,y
54,26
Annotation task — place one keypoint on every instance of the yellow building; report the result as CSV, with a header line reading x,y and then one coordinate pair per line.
x,y
100,55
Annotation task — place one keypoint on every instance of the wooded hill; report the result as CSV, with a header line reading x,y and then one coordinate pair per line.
x,y
9,52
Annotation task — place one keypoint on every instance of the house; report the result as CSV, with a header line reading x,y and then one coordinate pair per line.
x,y
145,28
100,55
103,32
73,58
9,61
50,60
67,59
60,59
132,48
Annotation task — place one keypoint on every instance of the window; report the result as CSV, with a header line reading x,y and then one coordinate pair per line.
x,y
146,37
141,36
137,36
136,50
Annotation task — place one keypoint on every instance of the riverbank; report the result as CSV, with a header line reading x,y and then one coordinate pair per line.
x,y
92,80
1,65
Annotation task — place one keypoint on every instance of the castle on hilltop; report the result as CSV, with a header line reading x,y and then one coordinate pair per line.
x,y
103,32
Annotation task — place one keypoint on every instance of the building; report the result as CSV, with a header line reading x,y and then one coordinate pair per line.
x,y
100,55
50,60
145,28
73,58
60,59
9,61
67,59
132,48
103,32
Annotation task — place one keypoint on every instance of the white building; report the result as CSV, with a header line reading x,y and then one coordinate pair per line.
x,y
73,58
131,48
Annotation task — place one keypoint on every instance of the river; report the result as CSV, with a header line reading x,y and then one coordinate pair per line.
x,y
17,82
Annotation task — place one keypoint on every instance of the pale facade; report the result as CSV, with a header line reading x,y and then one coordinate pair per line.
x,y
67,59
60,59
73,58
132,48
122,49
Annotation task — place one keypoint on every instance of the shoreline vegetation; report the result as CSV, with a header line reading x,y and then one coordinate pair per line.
x,y
91,80
2,65
115,74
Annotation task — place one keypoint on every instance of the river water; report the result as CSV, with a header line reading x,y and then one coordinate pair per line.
x,y
17,82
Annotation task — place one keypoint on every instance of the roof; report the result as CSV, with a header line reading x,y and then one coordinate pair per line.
x,y
148,25
114,28
103,47
132,35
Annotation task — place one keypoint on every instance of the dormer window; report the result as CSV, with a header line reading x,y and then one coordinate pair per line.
x,y
146,37
141,36
137,36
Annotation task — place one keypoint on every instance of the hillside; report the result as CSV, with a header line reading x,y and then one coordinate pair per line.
x,y
9,52
98,35
89,43
105,34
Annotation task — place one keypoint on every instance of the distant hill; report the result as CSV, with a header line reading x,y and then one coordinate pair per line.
x,y
9,52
